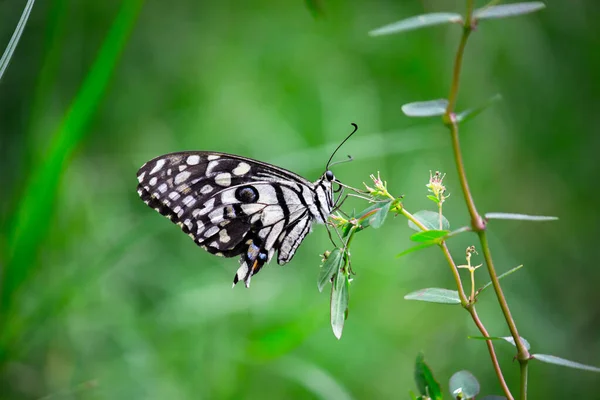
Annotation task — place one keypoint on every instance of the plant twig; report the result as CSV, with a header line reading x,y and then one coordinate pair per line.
x,y
477,222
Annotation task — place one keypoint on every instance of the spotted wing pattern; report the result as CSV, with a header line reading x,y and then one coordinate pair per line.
x,y
231,205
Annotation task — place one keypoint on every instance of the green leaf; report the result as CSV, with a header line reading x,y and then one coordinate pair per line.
x,y
565,363
473,112
430,219
433,198
417,22
429,236
415,248
329,268
14,40
465,384
366,223
435,295
493,397
377,219
521,217
487,285
339,303
508,10
508,339
425,380
431,108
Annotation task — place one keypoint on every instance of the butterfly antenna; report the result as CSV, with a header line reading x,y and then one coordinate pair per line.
x,y
340,145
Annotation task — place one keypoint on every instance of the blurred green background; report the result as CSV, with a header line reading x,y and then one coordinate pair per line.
x,y
102,298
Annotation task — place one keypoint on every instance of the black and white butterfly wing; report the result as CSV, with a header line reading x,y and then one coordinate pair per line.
x,y
231,205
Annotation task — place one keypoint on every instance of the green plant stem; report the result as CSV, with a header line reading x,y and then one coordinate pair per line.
x,y
523,353
470,307
477,222
467,305
523,364
490,347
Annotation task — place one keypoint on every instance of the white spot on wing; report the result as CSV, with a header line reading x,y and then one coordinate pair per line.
x,y
193,160
208,206
223,179
174,195
206,189
200,228
216,216
159,164
189,201
162,188
153,181
223,236
211,231
241,169
181,177
141,177
213,157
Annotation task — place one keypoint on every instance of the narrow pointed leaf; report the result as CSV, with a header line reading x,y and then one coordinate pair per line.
x,y
565,363
339,304
415,248
416,22
487,285
435,295
508,339
431,108
425,380
329,268
508,10
465,384
430,219
521,217
377,219
429,236
14,40
473,112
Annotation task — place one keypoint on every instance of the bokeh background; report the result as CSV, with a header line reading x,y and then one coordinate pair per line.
x,y
102,298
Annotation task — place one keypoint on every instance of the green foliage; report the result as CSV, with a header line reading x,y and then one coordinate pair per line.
x,y
431,108
435,295
425,380
521,217
504,275
508,339
339,303
330,267
471,113
508,10
430,219
378,218
417,22
428,236
463,385
563,362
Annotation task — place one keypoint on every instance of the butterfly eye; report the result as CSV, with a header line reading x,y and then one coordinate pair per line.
x,y
329,176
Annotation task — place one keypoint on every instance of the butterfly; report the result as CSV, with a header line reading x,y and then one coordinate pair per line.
x,y
231,205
